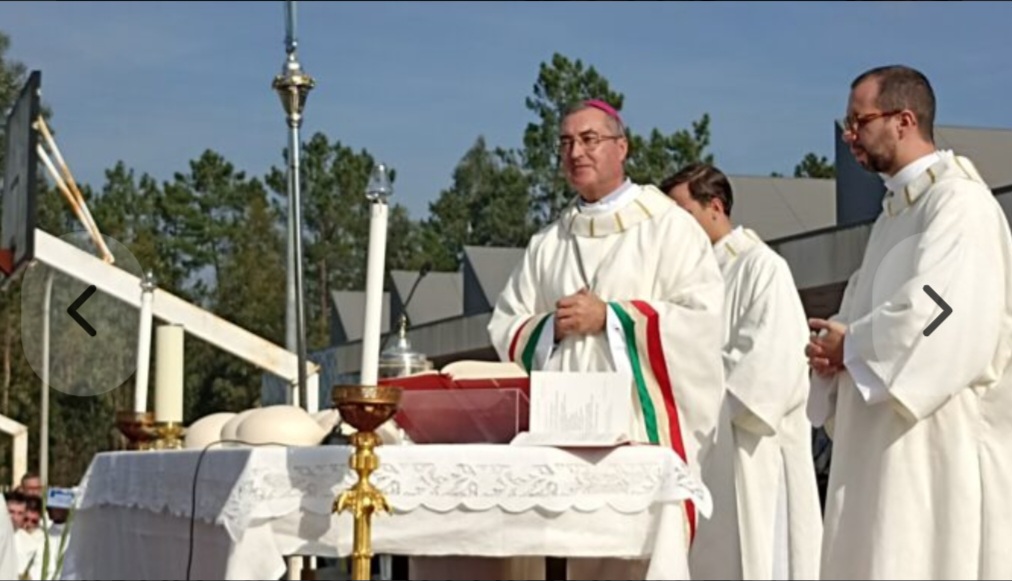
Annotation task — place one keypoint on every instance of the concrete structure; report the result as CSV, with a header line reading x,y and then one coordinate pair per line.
x,y
819,226
19,448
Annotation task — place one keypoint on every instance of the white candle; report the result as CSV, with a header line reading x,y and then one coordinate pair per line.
x,y
143,350
169,374
371,330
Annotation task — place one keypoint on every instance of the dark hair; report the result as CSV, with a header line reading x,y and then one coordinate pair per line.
x,y
33,503
901,87
14,497
706,183
614,119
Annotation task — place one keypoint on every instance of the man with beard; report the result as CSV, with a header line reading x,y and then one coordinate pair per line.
x,y
920,412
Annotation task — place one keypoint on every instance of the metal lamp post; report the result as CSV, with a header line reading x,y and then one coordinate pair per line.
x,y
293,86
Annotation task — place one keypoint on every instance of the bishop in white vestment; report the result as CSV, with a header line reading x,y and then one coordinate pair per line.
x,y
920,413
767,521
654,267
625,281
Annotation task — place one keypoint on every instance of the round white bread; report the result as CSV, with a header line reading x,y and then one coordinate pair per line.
x,y
230,430
327,419
281,424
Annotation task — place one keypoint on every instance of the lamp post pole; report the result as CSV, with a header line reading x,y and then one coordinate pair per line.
x,y
293,86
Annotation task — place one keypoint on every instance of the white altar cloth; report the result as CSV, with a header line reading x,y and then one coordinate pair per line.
x,y
256,505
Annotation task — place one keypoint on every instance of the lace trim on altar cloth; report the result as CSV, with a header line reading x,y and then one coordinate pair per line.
x,y
239,486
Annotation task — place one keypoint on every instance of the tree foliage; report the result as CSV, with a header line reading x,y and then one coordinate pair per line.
x,y
487,205
814,166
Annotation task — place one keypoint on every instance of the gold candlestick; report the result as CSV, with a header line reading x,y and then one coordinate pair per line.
x,y
139,429
170,436
365,408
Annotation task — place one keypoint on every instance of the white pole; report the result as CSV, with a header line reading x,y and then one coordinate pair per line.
x,y
44,420
313,393
296,212
374,292
144,345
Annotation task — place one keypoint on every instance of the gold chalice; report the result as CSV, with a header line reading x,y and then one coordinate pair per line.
x,y
365,408
139,429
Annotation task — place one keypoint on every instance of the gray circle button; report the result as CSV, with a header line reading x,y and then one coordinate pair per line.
x,y
92,336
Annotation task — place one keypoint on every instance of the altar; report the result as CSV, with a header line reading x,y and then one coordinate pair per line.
x,y
254,506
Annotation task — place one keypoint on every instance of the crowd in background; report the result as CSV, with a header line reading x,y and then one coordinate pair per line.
x,y
29,530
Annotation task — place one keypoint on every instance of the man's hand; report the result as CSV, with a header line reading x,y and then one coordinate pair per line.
x,y
825,349
579,314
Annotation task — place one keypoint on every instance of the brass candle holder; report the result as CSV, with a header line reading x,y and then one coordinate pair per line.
x,y
139,429
170,436
365,408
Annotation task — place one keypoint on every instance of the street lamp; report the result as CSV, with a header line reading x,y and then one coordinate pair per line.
x,y
293,86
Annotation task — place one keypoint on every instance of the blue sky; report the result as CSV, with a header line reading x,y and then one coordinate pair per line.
x,y
156,83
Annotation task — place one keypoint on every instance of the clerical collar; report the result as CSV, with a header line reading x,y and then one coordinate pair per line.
x,y
613,201
946,163
726,238
732,244
910,172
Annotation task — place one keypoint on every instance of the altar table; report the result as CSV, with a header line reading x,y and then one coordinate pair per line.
x,y
255,505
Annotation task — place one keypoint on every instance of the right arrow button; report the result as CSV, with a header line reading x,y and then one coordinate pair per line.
x,y
946,311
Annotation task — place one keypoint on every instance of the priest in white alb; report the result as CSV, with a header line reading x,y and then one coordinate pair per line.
x,y
767,521
919,407
625,281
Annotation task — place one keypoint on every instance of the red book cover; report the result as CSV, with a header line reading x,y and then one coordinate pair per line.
x,y
467,402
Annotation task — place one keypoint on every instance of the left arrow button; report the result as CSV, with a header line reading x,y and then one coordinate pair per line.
x,y
72,310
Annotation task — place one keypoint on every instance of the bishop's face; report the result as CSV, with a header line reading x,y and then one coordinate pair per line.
x,y
592,153
869,131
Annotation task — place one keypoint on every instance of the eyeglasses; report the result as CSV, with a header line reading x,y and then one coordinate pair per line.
x,y
855,124
588,141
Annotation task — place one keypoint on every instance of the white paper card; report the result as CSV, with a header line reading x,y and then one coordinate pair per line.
x,y
576,409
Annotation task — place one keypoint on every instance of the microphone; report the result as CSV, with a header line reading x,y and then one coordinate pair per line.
x,y
424,270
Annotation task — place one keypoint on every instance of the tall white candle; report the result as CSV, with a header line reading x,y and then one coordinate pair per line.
x,y
143,348
371,330
169,373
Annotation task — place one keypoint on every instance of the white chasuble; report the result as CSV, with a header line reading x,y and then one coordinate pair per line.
x,y
654,266
771,524
921,471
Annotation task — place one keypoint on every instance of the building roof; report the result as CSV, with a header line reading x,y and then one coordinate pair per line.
x,y
349,306
776,207
492,267
440,295
990,150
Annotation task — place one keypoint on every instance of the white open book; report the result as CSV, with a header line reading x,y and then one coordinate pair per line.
x,y
577,409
